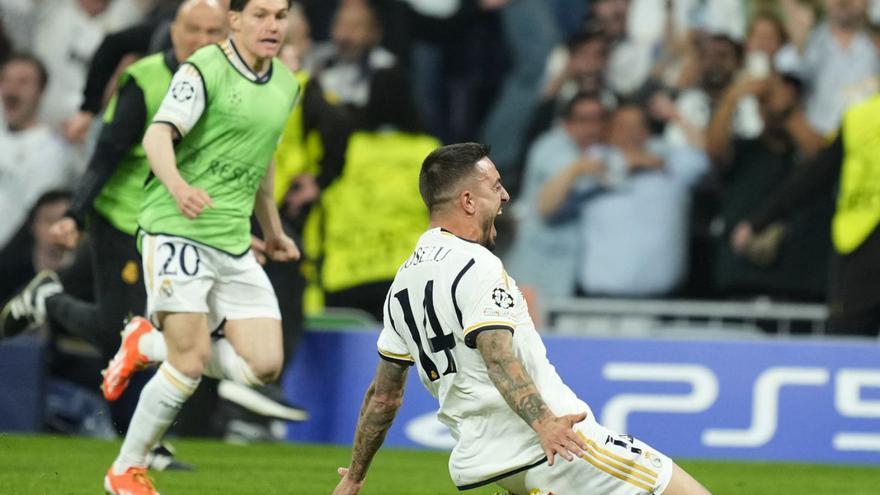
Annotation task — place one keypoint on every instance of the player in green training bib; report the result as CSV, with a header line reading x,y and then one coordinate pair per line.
x,y
210,148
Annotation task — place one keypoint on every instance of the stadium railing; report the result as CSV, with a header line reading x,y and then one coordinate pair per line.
x,y
685,318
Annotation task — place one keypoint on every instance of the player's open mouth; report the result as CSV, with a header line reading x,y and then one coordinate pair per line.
x,y
269,42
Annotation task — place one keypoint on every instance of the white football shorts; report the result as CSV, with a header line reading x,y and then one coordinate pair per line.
x,y
614,464
183,276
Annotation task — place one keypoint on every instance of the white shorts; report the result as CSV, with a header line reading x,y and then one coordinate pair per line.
x,y
183,276
613,465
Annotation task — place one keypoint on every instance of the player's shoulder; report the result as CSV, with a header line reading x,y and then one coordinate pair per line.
x,y
477,261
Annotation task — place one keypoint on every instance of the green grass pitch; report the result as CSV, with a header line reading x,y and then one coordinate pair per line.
x,y
46,465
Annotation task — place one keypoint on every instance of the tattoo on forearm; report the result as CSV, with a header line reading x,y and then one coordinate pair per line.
x,y
381,403
510,377
531,407
367,396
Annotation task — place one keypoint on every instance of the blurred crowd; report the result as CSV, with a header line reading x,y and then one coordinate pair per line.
x,y
637,137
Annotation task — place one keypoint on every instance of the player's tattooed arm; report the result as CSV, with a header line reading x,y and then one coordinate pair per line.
x,y
512,380
367,397
383,399
509,376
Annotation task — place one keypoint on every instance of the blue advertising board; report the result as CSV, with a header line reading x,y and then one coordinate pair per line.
x,y
22,383
816,401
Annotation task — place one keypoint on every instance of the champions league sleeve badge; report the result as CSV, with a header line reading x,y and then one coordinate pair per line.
x,y
502,298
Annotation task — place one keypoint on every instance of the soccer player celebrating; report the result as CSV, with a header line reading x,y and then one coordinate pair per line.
x,y
454,313
209,149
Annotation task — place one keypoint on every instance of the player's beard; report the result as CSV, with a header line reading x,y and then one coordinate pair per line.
x,y
488,241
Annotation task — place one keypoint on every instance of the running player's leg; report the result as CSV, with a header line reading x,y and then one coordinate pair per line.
x,y
258,344
177,295
161,399
253,353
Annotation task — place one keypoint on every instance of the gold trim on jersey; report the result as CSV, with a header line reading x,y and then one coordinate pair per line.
x,y
619,467
404,357
477,326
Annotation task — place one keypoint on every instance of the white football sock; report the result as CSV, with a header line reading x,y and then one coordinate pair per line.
x,y
160,401
152,345
225,363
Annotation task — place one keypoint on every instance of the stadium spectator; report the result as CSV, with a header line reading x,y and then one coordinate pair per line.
x,y
579,68
360,253
34,158
65,36
546,250
789,261
18,18
647,19
838,61
720,58
150,36
766,37
634,233
530,32
629,61
851,162
659,39
453,65
345,64
766,34
31,249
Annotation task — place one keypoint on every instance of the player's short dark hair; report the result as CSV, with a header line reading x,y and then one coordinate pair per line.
x,y
239,5
42,73
445,167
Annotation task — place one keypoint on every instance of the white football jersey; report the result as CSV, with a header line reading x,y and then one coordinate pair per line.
x,y
446,293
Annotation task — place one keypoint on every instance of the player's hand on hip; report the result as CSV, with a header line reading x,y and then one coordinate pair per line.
x,y
64,233
558,437
191,201
347,485
282,248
